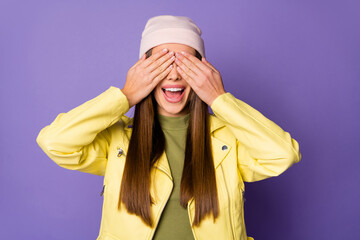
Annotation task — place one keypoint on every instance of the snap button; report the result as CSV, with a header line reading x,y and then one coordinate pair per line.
x,y
224,147
120,151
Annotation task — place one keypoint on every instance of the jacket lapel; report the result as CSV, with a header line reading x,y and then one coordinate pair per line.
x,y
219,150
163,165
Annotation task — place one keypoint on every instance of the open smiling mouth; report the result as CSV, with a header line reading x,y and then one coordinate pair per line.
x,y
174,94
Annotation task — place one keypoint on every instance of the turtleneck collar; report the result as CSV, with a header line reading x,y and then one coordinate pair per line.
x,y
174,123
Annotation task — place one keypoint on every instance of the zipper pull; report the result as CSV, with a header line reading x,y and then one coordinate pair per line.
x,y
102,192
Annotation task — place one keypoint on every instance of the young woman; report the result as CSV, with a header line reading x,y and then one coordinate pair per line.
x,y
173,171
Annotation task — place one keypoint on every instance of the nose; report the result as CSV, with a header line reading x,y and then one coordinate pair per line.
x,y
173,74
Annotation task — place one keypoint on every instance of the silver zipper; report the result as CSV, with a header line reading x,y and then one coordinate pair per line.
x,y
102,192
228,195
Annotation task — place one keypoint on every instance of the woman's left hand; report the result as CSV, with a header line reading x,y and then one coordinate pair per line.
x,y
202,77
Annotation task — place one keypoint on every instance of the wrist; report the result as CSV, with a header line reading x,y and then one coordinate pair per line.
x,y
215,97
127,95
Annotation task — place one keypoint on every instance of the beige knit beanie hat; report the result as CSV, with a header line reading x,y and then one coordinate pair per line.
x,y
171,29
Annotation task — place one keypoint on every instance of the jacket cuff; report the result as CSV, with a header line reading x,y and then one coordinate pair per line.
x,y
119,101
221,101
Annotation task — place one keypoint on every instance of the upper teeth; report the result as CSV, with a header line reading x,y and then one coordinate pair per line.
x,y
173,89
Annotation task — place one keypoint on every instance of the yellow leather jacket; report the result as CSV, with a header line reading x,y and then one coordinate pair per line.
x,y
94,137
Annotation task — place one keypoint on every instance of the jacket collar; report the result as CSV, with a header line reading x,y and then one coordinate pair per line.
x,y
215,123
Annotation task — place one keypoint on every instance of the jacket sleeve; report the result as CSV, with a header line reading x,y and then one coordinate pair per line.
x,y
263,148
79,139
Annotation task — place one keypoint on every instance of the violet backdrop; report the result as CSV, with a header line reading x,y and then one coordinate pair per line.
x,y
297,62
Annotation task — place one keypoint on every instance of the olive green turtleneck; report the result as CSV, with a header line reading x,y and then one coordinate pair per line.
x,y
174,222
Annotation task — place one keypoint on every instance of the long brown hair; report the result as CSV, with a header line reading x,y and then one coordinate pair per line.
x,y
147,143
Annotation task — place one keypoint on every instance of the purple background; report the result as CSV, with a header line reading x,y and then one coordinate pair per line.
x,y
297,62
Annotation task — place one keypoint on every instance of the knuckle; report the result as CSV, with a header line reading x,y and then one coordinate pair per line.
x,y
157,64
139,71
158,78
150,76
138,68
164,58
147,70
146,76
161,68
171,60
208,79
208,72
201,82
164,72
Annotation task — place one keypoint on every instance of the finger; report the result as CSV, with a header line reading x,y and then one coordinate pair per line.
x,y
158,63
186,77
209,64
188,67
196,61
162,75
154,57
162,68
188,63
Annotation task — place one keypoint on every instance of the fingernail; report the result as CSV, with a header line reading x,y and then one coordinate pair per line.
x,y
165,50
184,53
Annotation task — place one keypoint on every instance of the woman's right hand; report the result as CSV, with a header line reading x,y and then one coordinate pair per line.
x,y
143,77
